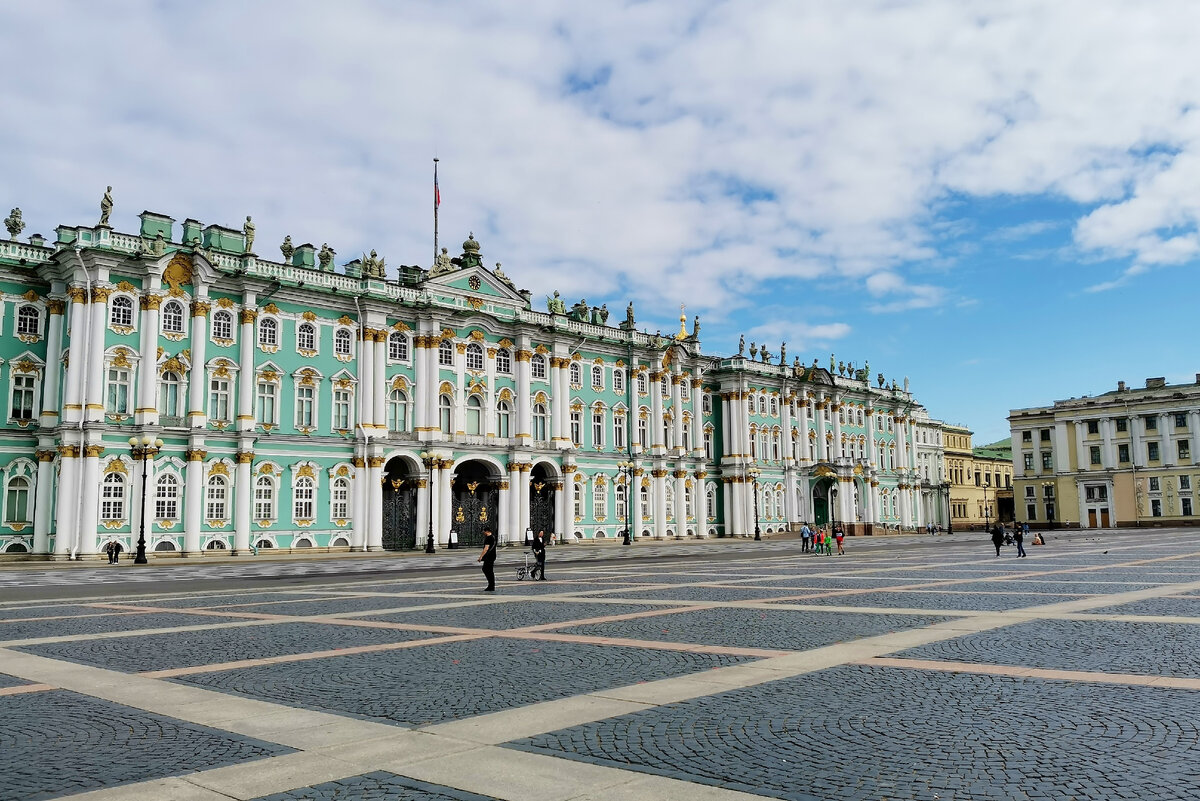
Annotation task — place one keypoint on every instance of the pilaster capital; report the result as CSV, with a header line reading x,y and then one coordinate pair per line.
x,y
100,294
358,462
68,451
45,455
150,302
77,294
245,457
93,451
375,461
195,455
200,308
56,305
247,316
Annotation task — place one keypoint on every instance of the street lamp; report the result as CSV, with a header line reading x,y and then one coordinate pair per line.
x,y
754,473
987,511
626,469
429,460
949,511
1047,497
143,448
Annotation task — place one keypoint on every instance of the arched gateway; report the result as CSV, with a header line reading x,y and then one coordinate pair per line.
x,y
543,489
476,501
400,483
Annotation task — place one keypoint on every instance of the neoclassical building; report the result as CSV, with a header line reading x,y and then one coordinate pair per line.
x,y
302,404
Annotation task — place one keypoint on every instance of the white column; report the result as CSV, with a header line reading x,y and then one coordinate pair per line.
x,y
446,495
1139,447
559,402
524,400
378,389
1166,453
727,494
1194,434
658,491
197,374
835,414
523,498
657,446
460,388
246,370
421,390
489,402
1081,452
726,424
423,493
698,434
366,380
193,501
681,518
514,504
822,445
66,526
243,496
94,403
374,498
677,409
872,445
790,512
635,488
1109,455
90,510
435,501
44,496
503,527
54,332
358,496
146,411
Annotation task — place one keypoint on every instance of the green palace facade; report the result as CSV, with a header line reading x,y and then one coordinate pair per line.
x,y
306,403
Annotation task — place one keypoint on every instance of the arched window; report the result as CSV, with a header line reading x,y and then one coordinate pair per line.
x,y
16,508
774,406
669,492
112,497
644,501
689,507
341,342
303,497
445,413
537,366
168,394
306,337
762,404
119,313
641,383
268,332
597,377
339,499
665,387
621,499
706,404
222,325
753,445
708,444
29,320
398,346
474,356
539,422
775,445
166,497
576,374
264,498
172,317
446,353
685,390
599,501
643,429
216,502
710,502
619,382
397,410
503,361
503,419
598,428
687,435
580,492
474,415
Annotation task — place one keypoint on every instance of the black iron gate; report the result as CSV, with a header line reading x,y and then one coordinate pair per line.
x,y
399,514
541,508
476,507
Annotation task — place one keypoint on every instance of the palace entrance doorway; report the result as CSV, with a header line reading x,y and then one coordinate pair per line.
x,y
400,484
476,502
543,490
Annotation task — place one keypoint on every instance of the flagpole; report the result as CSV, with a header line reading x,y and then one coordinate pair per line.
x,y
436,199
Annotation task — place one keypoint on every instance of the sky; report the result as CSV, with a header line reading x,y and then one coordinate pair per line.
x,y
997,200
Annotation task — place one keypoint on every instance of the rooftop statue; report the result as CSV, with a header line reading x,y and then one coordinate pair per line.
x,y
783,352
248,230
14,224
841,368
880,378
696,327
832,364
500,274
580,311
287,249
373,266
441,264
867,369
106,206
753,351
603,314
629,314
742,345
325,257
766,355
555,304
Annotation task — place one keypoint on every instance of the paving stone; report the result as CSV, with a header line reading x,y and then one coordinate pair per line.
x,y
1183,606
702,594
1094,587
12,681
329,606
864,732
1169,649
191,648
506,583
117,621
219,601
434,683
511,615
377,785
56,610
59,743
755,628
969,602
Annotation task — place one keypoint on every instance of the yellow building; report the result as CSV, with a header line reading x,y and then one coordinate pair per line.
x,y
1123,458
981,489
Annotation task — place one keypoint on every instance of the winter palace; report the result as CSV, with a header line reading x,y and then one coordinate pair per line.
x,y
306,402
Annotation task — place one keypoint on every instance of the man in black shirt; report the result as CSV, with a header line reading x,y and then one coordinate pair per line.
x,y
488,557
539,553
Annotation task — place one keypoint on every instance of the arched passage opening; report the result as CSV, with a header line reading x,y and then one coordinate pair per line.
x,y
400,484
543,492
824,496
476,501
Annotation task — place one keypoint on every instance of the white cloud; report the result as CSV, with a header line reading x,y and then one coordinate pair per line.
x,y
669,150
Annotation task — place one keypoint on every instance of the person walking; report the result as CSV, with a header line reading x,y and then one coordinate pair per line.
x,y
840,535
1019,537
805,536
488,557
539,553
829,543
818,541
108,549
997,538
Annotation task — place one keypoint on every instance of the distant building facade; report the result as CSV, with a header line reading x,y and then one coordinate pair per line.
x,y
306,405
981,480
1124,458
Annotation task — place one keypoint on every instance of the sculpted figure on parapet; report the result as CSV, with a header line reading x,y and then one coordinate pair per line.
x,y
441,264
555,304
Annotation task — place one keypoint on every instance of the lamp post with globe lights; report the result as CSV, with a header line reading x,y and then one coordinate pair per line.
x,y
143,449
429,460
626,469
754,473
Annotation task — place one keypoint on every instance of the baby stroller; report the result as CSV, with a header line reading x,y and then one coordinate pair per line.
x,y
534,571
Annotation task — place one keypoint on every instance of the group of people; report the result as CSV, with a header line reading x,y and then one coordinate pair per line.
x,y
1001,536
113,549
819,540
488,557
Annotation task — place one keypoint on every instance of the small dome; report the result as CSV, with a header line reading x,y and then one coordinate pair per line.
x,y
470,246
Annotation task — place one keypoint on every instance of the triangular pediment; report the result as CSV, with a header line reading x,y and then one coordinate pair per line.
x,y
474,281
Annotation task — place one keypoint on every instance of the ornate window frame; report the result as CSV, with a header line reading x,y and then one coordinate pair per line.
x,y
305,477
223,312
26,365
341,475
271,473
26,470
129,297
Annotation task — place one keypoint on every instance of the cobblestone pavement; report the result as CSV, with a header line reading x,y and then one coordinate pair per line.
x,y
871,733
99,744
1016,680
1110,646
754,628
441,682
375,787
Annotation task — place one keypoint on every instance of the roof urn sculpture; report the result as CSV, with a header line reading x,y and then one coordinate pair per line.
x,y
325,257
287,249
14,224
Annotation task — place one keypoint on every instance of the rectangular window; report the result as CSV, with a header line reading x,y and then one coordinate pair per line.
x,y
1123,453
619,382
341,410
599,502
1026,436
218,399
268,396
1031,511
1122,424
597,429
22,397
1049,511
339,505
1093,427
118,391
1045,435
1154,484
1047,461
1185,450
1094,452
1156,508
577,428
1185,507
1029,491
619,433
1181,421
1185,483
304,407
1152,451
1151,423
1048,491
1029,461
